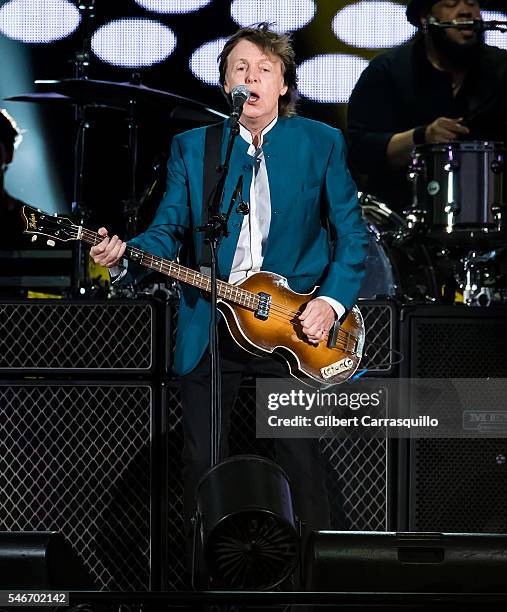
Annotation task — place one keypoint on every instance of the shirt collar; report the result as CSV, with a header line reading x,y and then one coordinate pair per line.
x,y
247,136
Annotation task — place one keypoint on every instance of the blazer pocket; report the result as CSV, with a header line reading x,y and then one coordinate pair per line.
x,y
295,204
309,198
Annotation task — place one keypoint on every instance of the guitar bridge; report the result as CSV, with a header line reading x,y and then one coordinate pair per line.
x,y
336,368
262,311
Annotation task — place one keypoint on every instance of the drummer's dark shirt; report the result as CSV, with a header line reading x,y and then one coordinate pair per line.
x,y
400,90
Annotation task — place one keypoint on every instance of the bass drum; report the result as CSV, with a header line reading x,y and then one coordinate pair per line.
x,y
400,265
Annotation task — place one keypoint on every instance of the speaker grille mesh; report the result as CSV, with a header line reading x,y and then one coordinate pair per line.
x,y
75,458
76,336
379,323
458,485
461,486
470,348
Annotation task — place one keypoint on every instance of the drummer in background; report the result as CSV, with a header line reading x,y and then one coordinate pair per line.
x,y
444,85
11,223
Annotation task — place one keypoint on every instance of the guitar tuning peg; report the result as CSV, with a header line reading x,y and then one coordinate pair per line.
x,y
34,238
51,243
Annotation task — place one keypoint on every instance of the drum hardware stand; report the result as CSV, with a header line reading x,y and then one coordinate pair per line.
x,y
80,280
414,215
474,291
131,205
416,220
498,211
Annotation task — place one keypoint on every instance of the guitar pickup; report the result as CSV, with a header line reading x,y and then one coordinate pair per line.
x,y
336,368
262,311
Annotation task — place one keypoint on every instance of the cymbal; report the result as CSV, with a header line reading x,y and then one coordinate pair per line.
x,y
121,95
40,97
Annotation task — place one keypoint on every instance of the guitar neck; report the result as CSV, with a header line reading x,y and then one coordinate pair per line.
x,y
226,291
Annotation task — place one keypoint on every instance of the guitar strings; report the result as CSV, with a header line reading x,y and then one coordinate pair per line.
x,y
250,298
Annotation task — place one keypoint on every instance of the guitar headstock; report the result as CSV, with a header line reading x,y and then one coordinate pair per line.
x,y
42,223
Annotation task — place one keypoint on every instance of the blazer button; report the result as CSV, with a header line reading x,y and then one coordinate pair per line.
x,y
247,168
236,224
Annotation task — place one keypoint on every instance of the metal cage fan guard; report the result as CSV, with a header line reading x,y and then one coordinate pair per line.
x,y
248,531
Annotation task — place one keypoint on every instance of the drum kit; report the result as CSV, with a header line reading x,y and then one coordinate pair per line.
x,y
450,243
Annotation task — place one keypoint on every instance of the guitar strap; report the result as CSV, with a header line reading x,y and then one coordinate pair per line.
x,y
212,161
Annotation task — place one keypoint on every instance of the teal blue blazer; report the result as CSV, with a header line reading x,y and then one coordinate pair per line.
x,y
316,235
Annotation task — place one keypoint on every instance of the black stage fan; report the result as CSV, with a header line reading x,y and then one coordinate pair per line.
x,y
248,533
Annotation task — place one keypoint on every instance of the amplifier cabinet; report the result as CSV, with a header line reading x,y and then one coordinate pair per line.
x,y
84,459
453,484
100,337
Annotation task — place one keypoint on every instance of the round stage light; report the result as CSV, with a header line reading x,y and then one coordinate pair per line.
x,y
38,21
353,25
133,42
246,521
204,61
330,78
285,15
173,6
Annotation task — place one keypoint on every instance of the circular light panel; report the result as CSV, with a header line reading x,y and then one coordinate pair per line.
x,y
330,78
285,15
373,25
133,42
173,6
38,21
204,64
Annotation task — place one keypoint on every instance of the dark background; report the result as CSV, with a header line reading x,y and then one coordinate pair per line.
x,y
106,168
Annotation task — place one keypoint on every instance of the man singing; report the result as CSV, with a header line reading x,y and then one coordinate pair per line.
x,y
304,223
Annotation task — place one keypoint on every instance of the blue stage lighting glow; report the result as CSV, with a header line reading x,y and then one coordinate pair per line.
x,y
373,25
173,6
285,15
133,42
497,39
330,78
204,64
38,21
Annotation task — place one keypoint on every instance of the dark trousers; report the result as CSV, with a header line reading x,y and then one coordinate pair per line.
x,y
299,457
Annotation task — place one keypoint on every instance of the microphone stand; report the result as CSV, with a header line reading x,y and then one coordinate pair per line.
x,y
214,230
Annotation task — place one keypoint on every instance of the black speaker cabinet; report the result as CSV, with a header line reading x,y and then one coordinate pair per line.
x,y
80,337
82,458
405,562
453,485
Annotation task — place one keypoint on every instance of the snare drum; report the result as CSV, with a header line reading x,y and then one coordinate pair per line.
x,y
458,186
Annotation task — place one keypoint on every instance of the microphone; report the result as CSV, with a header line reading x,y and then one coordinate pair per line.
x,y
239,95
468,24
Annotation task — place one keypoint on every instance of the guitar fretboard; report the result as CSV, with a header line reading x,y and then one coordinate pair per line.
x,y
226,291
